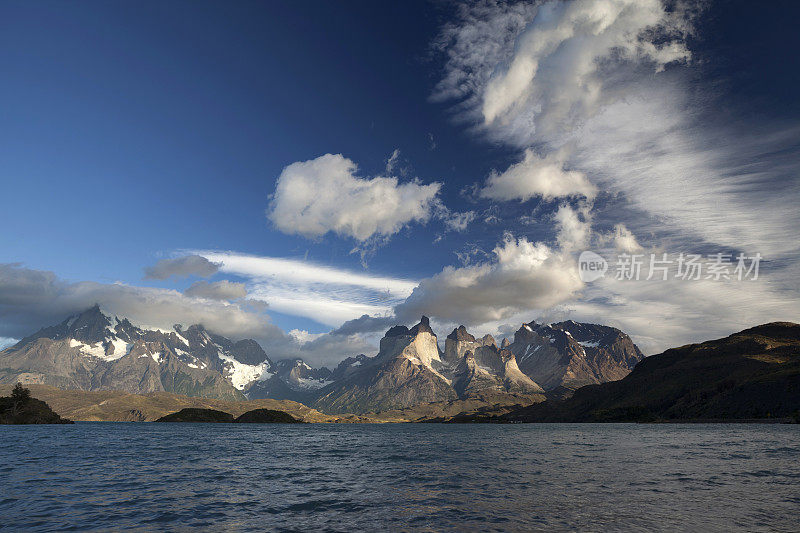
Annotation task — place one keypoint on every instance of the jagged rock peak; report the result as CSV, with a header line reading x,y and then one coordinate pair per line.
x,y
525,331
505,344
506,355
396,331
488,340
461,334
423,326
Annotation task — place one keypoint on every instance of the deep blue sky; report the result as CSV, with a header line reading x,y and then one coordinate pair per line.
x,y
131,130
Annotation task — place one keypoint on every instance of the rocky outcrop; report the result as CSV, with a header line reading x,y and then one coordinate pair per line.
x,y
94,351
299,376
572,354
349,366
401,375
457,344
485,367
410,370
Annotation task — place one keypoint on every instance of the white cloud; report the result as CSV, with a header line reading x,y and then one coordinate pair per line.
x,y
217,290
476,43
720,185
455,221
624,240
555,74
573,227
324,195
181,267
329,349
328,295
637,135
392,161
5,342
523,275
537,176
663,314
302,336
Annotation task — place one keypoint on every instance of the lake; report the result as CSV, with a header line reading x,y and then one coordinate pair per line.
x,y
415,477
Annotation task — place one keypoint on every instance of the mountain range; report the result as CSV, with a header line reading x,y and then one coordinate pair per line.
x,y
753,374
95,351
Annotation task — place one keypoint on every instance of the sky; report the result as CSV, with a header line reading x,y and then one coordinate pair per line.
x,y
310,173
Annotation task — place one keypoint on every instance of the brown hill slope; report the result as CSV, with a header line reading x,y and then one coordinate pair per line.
x,y
116,406
751,374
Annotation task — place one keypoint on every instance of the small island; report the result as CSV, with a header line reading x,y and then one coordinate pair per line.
x,y
21,408
267,416
256,416
195,414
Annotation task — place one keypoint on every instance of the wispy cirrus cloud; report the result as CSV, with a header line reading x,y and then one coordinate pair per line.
x,y
331,296
606,86
216,290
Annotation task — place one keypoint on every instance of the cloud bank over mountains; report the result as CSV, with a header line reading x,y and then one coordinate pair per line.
x,y
31,299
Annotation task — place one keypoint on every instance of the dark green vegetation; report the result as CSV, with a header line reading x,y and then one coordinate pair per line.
x,y
754,374
20,408
262,416
194,414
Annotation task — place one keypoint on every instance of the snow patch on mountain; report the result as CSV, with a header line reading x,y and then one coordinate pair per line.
x,y
241,375
312,384
121,349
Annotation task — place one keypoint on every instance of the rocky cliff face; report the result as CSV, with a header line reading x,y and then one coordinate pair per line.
x,y
573,354
410,370
403,374
479,365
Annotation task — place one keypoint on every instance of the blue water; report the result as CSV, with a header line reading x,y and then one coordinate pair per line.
x,y
221,477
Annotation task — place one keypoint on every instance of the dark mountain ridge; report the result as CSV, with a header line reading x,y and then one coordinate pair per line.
x,y
748,375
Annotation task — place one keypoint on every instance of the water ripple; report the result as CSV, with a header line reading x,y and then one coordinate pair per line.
x,y
615,477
